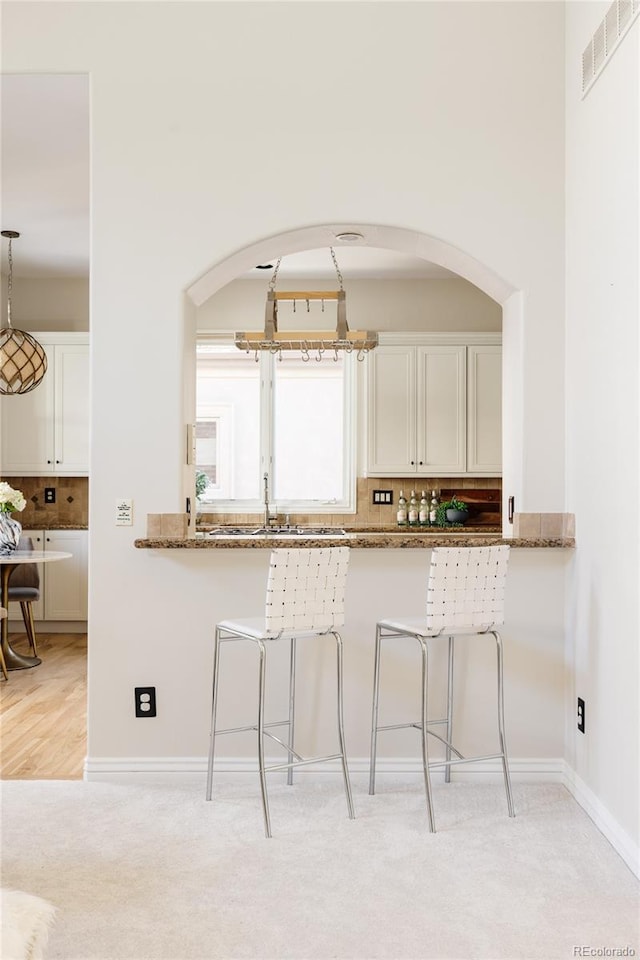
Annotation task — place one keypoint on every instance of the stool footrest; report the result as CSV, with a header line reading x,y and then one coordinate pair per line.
x,y
302,763
449,763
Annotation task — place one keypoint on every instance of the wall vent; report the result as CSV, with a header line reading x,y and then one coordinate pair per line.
x,y
618,19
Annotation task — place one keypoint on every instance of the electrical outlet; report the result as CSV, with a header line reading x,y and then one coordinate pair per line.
x,y
580,714
49,494
145,699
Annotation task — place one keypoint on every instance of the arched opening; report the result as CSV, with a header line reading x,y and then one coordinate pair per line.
x,y
413,244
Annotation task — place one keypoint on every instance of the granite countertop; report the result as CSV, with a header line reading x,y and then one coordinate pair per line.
x,y
368,540
46,525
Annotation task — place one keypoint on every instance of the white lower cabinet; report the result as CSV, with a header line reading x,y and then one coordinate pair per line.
x,y
63,583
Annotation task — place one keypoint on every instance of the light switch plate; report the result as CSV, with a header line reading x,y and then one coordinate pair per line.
x,y
124,512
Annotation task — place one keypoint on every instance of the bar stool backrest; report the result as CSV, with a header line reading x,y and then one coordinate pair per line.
x,y
466,588
306,589
25,574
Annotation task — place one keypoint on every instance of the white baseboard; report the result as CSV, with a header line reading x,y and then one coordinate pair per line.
x,y
621,842
132,769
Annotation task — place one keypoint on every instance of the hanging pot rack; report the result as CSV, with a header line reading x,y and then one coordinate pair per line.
x,y
273,340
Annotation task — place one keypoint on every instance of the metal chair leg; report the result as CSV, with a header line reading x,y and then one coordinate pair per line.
x,y
447,769
501,733
343,753
424,732
374,715
214,704
292,708
263,776
29,625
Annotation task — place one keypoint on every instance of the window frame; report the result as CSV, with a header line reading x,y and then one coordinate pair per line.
x,y
347,504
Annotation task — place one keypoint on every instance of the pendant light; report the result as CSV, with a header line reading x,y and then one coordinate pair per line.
x,y
23,362
317,342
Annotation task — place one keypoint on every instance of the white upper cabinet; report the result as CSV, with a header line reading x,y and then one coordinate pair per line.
x,y
433,407
392,410
484,385
46,432
441,405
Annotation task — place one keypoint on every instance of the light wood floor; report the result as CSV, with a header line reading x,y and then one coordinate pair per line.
x,y
43,711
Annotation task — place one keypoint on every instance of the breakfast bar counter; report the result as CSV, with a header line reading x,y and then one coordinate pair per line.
x,y
368,540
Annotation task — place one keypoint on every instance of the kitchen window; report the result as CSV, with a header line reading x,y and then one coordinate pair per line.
x,y
291,418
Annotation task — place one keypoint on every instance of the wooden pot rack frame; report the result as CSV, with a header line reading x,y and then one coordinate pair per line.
x,y
274,341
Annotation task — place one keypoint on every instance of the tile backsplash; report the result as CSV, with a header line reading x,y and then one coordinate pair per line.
x,y
71,506
485,508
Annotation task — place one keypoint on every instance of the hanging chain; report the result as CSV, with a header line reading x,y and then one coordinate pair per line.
x,y
335,263
272,282
9,285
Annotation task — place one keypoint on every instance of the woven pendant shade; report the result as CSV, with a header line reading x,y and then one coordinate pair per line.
x,y
23,362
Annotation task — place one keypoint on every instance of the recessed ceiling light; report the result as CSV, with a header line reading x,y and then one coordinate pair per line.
x,y
349,237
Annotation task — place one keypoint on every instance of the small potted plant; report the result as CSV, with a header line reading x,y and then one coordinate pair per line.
x,y
452,511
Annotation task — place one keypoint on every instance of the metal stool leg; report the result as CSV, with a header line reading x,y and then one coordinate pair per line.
x,y
374,716
292,708
447,769
343,754
263,776
214,704
425,748
503,740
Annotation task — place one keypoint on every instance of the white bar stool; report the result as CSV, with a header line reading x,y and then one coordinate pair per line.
x,y
305,598
465,595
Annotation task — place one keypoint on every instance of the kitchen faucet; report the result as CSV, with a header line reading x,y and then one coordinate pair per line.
x,y
269,517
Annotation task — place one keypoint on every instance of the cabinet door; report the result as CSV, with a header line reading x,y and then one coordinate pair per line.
x,y
484,435
391,377
65,581
442,413
71,409
27,427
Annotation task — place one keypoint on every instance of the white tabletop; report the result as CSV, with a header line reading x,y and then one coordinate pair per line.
x,y
35,556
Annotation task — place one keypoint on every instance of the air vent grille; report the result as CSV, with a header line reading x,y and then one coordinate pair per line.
x,y
618,19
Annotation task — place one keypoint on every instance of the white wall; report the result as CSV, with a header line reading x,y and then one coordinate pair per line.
x,y
371,305
437,118
603,305
48,304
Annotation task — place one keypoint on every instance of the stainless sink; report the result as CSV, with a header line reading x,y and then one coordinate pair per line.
x,y
276,532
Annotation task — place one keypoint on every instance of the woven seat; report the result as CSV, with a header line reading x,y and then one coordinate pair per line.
x,y
305,598
465,595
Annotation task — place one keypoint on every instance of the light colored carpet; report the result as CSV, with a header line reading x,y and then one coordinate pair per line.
x,y
156,873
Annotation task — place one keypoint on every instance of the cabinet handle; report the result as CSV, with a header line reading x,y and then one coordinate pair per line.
x,y
58,461
49,461
421,463
413,463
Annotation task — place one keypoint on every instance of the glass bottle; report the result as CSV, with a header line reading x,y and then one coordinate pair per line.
x,y
433,508
424,511
413,510
402,510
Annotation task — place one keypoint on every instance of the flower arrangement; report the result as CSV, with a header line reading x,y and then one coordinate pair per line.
x,y
11,500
